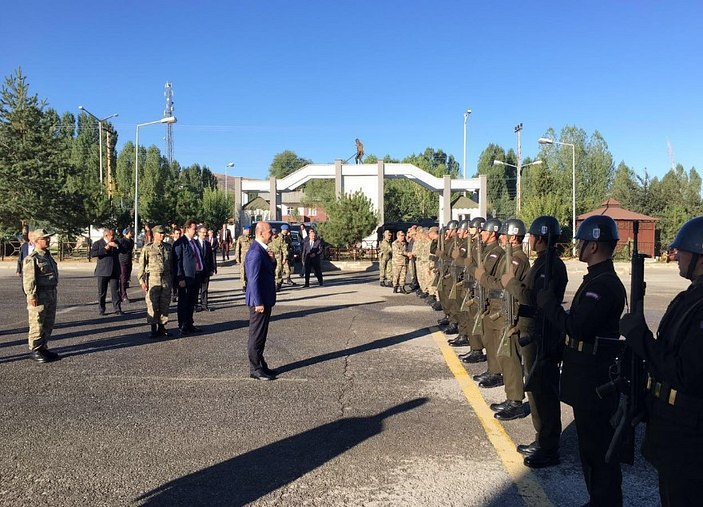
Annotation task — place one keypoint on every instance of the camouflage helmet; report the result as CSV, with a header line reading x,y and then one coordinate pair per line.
x,y
477,222
513,227
464,225
598,228
690,236
492,225
452,224
545,225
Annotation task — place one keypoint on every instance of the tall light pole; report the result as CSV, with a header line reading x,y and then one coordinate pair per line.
x,y
466,119
547,140
231,164
518,168
518,187
100,135
168,120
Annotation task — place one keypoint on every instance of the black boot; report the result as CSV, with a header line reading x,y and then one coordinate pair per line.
x,y
542,458
154,333
162,331
453,329
493,381
395,290
475,356
513,410
460,341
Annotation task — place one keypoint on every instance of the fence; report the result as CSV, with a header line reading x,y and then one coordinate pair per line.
x,y
10,248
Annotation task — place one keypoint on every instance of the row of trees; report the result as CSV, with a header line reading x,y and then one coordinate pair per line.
x,y
49,173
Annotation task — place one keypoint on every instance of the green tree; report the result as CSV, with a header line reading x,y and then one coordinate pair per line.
x,y
285,163
350,218
500,180
217,207
318,193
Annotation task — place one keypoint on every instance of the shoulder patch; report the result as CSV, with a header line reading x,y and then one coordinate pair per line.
x,y
593,295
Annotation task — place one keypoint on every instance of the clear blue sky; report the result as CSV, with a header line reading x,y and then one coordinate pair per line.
x,y
254,78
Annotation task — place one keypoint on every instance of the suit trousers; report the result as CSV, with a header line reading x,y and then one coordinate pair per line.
x,y
114,283
125,275
187,299
204,288
313,266
258,330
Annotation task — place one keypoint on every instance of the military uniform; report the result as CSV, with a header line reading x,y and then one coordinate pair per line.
x,y
276,248
241,247
592,329
385,253
156,273
287,247
673,440
467,317
400,265
40,276
492,319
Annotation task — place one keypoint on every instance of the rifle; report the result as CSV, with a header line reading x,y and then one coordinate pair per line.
x,y
531,379
630,373
482,295
469,281
508,309
457,274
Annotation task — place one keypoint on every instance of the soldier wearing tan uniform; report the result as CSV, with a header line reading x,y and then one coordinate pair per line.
x,y
400,262
241,247
156,280
40,276
385,252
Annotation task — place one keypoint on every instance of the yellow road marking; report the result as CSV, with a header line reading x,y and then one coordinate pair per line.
x,y
524,479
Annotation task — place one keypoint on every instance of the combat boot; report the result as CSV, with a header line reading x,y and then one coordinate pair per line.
x,y
395,290
162,331
154,332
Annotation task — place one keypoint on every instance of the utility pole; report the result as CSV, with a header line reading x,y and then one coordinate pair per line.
x,y
109,164
518,185
168,113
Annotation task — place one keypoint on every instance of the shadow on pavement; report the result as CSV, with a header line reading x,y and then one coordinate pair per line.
x,y
250,476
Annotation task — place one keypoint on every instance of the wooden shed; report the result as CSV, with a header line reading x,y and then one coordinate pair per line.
x,y
624,219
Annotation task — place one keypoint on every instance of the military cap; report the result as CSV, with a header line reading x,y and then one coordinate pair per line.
x,y
284,227
545,225
492,225
274,230
598,228
247,227
40,233
452,224
158,228
689,237
513,227
477,222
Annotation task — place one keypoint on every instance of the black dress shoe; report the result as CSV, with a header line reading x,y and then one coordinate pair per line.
x,y
527,449
497,407
514,410
480,376
443,321
101,311
475,356
491,381
542,458
270,371
198,309
453,329
183,331
161,331
437,306
193,329
154,331
261,375
461,341
42,355
306,285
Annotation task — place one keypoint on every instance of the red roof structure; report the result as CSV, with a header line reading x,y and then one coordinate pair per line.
x,y
624,219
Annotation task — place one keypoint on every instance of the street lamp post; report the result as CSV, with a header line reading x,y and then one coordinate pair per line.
x,y
518,169
466,119
547,140
231,164
100,135
168,120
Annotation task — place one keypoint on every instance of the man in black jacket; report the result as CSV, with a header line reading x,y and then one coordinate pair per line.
x,y
592,342
208,267
107,270
126,260
188,269
312,257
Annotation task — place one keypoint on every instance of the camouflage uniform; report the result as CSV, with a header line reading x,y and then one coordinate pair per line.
x,y
241,248
156,272
400,263
385,253
276,248
286,246
40,276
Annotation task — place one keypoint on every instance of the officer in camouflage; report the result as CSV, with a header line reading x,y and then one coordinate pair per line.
x,y
385,252
156,279
400,263
241,248
287,247
40,276
276,248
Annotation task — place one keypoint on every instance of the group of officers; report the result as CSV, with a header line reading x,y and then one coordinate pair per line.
x,y
511,316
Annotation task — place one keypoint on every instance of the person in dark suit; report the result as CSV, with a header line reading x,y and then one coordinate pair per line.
x,y
260,298
107,270
126,261
208,268
312,257
189,265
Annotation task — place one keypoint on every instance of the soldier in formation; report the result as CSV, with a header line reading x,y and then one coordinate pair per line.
x,y
241,248
276,249
287,247
156,280
40,276
385,253
400,262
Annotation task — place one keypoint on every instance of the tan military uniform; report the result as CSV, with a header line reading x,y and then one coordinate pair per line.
x,y
286,243
156,271
467,316
385,253
400,263
493,320
241,247
40,276
276,247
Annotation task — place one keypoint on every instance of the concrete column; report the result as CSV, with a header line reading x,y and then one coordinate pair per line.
x,y
274,210
483,196
338,182
447,200
381,202
238,202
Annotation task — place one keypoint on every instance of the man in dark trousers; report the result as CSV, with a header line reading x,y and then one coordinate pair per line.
x,y
208,267
673,442
312,257
189,265
592,342
107,270
260,298
126,260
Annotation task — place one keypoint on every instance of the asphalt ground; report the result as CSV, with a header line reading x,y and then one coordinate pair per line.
x,y
371,406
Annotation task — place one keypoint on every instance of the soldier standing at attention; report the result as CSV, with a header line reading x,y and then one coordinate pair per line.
x,y
467,317
400,263
156,280
541,343
673,442
40,276
592,329
385,253
241,248
276,249
287,246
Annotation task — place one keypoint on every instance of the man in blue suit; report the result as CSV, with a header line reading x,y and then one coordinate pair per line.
x,y
260,266
189,266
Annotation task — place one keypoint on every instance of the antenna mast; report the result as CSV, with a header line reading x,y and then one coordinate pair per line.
x,y
168,93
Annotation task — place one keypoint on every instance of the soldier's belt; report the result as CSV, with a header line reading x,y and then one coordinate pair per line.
x,y
667,394
45,288
496,294
591,348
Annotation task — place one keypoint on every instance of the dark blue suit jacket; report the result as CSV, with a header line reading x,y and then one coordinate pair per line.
x,y
312,255
108,263
185,266
261,284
